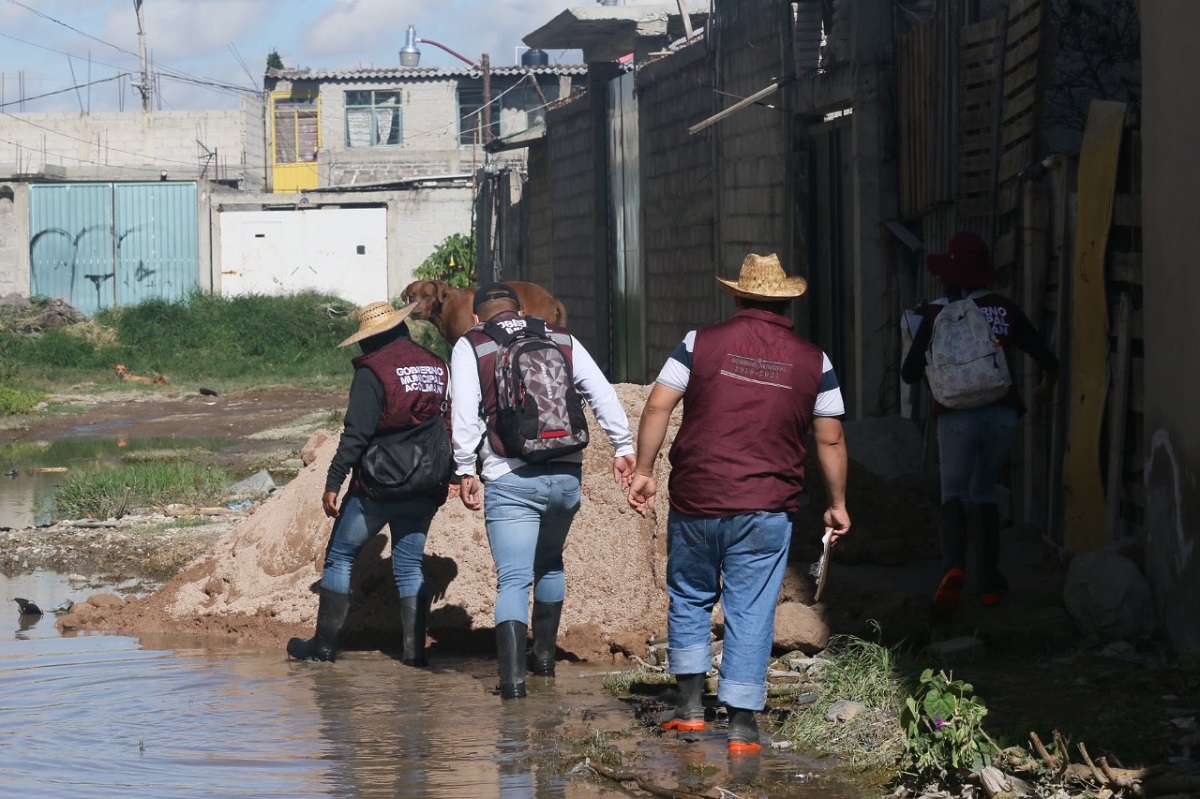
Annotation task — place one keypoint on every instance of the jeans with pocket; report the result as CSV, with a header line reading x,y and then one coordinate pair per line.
x,y
528,514
359,520
739,560
972,445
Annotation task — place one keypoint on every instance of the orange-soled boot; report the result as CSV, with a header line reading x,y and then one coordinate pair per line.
x,y
994,597
688,715
949,594
743,732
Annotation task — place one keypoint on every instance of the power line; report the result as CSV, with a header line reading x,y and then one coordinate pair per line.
x,y
59,91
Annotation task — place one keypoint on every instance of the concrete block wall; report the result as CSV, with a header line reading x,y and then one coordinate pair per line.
x,y
14,239
539,256
754,203
677,201
122,146
572,179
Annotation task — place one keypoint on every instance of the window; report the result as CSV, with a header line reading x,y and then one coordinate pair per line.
x,y
372,118
297,137
470,116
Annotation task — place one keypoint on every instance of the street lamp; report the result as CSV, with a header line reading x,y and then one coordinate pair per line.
x,y
410,56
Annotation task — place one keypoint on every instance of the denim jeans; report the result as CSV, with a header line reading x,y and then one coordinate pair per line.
x,y
972,445
528,513
739,560
359,520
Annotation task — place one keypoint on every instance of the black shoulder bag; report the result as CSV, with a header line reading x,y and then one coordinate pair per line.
x,y
409,463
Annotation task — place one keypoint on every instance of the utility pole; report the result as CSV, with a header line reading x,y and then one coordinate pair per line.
x,y
144,86
486,64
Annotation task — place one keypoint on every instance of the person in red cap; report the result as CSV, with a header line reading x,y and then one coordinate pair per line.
x,y
974,441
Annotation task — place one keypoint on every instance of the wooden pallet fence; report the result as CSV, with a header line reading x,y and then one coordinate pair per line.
x,y
979,61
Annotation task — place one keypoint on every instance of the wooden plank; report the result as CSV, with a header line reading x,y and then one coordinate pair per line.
x,y
1023,77
1023,25
1018,129
1016,159
977,119
1019,7
979,75
982,95
1117,405
977,32
1084,488
1017,53
972,208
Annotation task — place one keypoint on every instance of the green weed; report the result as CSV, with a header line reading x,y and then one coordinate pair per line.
x,y
943,728
101,492
856,671
16,401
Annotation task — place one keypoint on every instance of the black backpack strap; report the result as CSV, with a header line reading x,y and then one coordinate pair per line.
x,y
496,334
536,326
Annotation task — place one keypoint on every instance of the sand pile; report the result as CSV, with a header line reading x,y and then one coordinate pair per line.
x,y
258,581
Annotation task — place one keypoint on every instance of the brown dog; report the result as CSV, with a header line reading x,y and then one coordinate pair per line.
x,y
449,308
123,372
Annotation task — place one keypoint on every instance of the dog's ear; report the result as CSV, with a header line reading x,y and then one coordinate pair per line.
x,y
441,289
408,294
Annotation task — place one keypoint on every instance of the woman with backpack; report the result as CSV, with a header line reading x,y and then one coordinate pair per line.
x,y
963,346
395,446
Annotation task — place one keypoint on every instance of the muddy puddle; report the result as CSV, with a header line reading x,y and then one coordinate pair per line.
x,y
112,716
30,471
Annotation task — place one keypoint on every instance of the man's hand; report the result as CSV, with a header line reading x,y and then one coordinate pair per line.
x,y
641,493
838,521
471,492
623,470
329,503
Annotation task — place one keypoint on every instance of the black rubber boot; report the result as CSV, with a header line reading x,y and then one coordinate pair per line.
x,y
993,587
743,732
510,652
545,637
688,714
414,610
954,535
331,615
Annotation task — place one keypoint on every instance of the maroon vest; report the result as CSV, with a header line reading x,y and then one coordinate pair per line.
x,y
414,382
746,417
485,357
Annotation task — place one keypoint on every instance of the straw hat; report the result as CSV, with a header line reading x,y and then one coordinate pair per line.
x,y
376,318
763,278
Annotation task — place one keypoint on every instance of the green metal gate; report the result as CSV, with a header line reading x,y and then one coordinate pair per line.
x,y
95,245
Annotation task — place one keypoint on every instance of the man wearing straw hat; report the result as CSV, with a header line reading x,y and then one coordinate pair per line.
x,y
397,385
752,390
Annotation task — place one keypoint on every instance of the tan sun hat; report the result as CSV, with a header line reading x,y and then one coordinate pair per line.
x,y
763,278
376,318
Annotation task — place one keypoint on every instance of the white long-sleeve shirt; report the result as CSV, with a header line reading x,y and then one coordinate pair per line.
x,y
470,429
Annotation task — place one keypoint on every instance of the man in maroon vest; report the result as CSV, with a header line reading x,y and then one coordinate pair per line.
x,y
397,385
752,389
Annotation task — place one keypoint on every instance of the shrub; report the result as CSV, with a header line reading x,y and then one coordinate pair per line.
x,y
452,261
943,729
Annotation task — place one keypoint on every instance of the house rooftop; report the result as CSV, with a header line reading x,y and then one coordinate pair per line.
x,y
411,73
608,33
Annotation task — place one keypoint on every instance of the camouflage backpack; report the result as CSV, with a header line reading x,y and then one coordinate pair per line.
x,y
539,413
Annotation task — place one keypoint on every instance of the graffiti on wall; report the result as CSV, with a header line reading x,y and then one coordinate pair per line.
x,y
60,260
1165,502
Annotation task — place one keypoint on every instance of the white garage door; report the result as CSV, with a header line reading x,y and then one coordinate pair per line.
x,y
340,251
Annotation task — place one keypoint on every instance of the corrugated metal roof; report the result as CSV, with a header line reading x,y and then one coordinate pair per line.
x,y
411,73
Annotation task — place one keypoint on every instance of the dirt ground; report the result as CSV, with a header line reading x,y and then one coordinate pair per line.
x,y
249,576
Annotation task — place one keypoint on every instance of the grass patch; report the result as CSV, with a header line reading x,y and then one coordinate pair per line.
x,y
100,492
17,401
857,671
639,680
233,341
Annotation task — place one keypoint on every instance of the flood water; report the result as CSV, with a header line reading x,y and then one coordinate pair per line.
x,y
111,716
26,490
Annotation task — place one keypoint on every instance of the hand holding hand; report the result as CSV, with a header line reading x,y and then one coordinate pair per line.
x,y
471,492
623,470
641,493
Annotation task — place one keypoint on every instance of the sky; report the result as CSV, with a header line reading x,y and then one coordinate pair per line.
x,y
204,51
